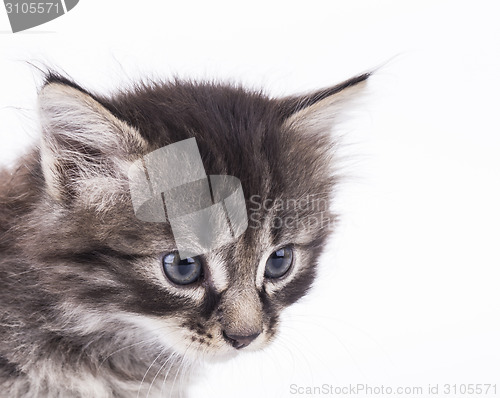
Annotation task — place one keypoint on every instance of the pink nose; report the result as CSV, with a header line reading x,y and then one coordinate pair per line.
x,y
239,341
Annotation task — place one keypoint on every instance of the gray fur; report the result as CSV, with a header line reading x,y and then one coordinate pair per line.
x,y
85,308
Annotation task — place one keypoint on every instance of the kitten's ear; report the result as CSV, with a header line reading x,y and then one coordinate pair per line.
x,y
317,111
82,140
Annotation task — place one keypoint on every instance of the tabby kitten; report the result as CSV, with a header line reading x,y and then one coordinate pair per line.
x,y
95,302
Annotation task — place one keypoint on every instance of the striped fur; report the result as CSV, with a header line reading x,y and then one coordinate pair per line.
x,y
85,310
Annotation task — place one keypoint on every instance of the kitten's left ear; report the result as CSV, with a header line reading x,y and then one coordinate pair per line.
x,y
82,142
317,111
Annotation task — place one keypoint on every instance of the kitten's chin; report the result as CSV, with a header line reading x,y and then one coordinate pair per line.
x,y
224,353
223,356
218,357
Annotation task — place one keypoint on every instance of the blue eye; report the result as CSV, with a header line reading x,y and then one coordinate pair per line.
x,y
279,262
182,272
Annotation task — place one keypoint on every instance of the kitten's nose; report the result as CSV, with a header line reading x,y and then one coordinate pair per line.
x,y
239,341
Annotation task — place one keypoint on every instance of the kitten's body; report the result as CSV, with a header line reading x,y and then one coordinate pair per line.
x,y
85,309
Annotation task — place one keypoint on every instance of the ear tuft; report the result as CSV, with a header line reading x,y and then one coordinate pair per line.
x,y
53,77
317,111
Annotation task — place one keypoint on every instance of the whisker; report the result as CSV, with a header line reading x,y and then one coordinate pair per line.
x,y
157,373
342,344
152,338
180,365
167,373
145,374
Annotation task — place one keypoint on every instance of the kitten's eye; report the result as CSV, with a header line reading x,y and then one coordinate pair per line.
x,y
279,262
182,272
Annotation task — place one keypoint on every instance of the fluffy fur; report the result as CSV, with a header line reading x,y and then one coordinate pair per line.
x,y
85,310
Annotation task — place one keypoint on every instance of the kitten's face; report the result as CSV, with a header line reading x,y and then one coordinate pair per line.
x,y
98,259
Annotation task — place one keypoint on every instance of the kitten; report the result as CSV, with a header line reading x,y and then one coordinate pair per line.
x,y
97,303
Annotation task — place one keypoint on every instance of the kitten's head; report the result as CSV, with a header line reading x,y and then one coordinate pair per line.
x,y
109,271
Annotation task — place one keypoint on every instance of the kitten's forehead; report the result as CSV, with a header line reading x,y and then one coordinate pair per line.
x,y
242,134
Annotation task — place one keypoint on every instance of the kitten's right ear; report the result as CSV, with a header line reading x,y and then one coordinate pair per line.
x,y
316,112
82,140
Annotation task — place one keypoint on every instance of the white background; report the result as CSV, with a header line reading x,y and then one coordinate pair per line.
x,y
409,290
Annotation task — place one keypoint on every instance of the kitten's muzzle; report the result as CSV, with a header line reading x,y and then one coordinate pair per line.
x,y
239,341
